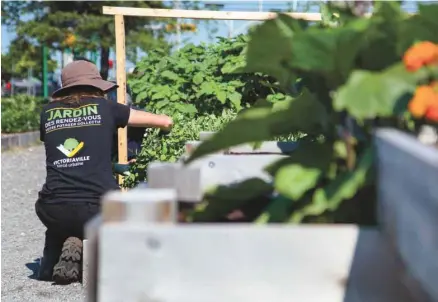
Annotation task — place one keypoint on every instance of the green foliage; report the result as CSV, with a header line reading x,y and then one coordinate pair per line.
x,y
259,124
366,94
351,80
21,57
196,80
196,87
20,113
51,22
172,146
303,168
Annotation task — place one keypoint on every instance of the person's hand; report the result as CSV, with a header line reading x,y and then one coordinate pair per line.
x,y
166,122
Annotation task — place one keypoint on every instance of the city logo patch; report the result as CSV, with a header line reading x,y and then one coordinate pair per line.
x,y
70,147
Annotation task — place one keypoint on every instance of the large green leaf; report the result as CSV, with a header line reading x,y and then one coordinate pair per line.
x,y
235,99
270,47
277,211
207,88
304,113
198,78
376,94
345,186
170,75
331,50
380,49
420,27
301,171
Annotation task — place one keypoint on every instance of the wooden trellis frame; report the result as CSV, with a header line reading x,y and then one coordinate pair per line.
x,y
120,12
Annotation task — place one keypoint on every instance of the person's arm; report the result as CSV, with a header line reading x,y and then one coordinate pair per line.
x,y
139,118
125,116
42,130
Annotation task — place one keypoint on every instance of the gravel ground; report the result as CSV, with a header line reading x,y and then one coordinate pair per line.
x,y
23,174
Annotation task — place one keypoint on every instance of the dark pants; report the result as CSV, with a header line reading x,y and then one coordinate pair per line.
x,y
64,220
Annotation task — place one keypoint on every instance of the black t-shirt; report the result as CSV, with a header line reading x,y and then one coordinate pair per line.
x,y
78,141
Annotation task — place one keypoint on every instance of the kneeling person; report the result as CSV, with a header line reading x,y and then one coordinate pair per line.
x,y
77,129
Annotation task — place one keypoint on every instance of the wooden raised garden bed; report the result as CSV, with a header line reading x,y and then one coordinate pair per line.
x,y
408,202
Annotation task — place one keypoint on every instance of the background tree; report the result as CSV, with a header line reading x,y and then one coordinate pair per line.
x,y
54,23
21,57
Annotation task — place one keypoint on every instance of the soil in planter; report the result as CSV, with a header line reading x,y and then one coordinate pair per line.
x,y
360,210
246,213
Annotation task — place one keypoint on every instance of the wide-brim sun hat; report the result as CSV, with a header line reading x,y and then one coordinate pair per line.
x,y
82,73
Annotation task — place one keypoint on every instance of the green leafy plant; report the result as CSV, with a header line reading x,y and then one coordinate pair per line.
x,y
170,147
346,90
197,80
196,86
20,113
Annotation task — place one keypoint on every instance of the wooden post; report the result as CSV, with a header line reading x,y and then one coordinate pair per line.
x,y
151,205
121,91
90,257
201,14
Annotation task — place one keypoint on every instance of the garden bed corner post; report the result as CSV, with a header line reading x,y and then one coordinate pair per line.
x,y
121,90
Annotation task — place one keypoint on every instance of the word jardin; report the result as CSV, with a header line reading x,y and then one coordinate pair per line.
x,y
67,112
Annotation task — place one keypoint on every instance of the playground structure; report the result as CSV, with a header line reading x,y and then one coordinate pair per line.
x,y
162,260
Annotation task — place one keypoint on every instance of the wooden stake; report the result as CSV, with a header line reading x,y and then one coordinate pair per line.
x,y
121,91
201,14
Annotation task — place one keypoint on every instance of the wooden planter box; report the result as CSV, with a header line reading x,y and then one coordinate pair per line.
x,y
145,258
408,202
246,263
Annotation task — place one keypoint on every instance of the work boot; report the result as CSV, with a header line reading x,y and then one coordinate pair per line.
x,y
47,262
68,268
51,253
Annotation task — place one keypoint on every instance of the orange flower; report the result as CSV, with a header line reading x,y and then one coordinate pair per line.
x,y
432,112
421,54
424,97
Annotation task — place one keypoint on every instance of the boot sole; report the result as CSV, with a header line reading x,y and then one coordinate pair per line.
x,y
68,269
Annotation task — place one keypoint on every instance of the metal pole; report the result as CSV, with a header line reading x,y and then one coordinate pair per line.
x,y
295,5
178,29
230,24
45,72
28,82
260,5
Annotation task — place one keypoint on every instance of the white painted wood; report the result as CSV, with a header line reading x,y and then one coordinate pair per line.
x,y
408,202
268,147
90,258
244,263
205,135
162,175
140,206
428,135
191,181
185,180
200,14
85,262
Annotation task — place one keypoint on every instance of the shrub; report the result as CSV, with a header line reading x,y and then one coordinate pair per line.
x,y
197,80
21,113
196,87
169,148
353,80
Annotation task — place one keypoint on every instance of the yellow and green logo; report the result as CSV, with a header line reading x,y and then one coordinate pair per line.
x,y
70,147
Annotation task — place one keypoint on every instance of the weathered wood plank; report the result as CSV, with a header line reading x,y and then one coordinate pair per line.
x,y
408,202
200,14
243,263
